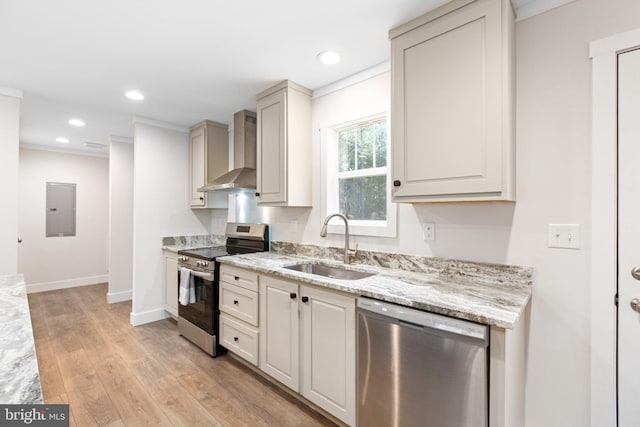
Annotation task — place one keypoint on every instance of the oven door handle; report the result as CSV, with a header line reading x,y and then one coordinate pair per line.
x,y
201,274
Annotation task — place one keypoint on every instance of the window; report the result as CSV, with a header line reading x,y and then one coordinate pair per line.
x,y
358,179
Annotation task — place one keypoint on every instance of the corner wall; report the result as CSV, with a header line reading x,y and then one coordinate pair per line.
x,y
160,209
9,139
120,220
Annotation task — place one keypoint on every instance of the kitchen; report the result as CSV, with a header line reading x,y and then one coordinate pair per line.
x,y
553,133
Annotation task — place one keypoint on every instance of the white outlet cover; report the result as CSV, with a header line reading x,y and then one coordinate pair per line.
x,y
429,231
566,236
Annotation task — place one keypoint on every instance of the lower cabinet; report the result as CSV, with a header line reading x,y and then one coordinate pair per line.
x,y
307,342
238,296
171,283
239,338
328,346
279,335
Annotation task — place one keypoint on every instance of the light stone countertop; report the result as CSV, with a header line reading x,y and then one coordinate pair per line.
x,y
19,376
176,243
491,294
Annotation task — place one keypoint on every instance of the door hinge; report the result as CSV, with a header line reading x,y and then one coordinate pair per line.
x,y
616,300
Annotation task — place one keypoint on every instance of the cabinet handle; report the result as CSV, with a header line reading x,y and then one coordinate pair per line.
x,y
292,295
396,183
257,194
235,301
201,198
236,339
304,299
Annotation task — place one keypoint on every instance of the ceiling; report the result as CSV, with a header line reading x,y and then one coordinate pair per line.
x,y
192,59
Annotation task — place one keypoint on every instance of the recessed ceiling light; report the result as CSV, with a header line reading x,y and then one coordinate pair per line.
x,y
329,57
136,96
62,140
76,122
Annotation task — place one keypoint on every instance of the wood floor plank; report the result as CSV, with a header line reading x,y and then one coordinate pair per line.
x,y
113,374
97,402
179,407
50,378
127,393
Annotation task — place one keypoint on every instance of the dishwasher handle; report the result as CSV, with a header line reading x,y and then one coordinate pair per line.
x,y
419,319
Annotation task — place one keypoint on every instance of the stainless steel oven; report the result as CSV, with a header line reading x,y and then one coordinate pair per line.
x,y
198,283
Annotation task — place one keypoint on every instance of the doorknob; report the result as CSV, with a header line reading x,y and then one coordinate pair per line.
x,y
635,304
635,272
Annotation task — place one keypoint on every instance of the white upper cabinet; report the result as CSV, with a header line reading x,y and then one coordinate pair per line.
x,y
208,159
284,146
452,104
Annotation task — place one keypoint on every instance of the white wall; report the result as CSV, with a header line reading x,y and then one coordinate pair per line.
x,y
160,208
120,220
59,262
554,136
9,139
553,186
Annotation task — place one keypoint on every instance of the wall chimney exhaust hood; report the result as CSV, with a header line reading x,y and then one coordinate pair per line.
x,y
243,177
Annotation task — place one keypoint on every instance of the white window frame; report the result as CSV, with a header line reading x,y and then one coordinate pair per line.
x,y
330,203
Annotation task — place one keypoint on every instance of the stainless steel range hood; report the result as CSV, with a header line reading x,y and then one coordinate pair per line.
x,y
243,177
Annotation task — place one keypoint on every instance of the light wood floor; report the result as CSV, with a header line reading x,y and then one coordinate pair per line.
x,y
113,374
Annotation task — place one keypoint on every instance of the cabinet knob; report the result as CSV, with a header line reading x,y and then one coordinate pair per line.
x,y
236,278
257,194
235,301
397,183
236,339
201,198
305,299
292,295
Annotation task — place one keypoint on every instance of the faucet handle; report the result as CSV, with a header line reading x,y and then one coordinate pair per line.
x,y
353,252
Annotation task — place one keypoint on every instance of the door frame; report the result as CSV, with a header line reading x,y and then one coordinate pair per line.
x,y
604,223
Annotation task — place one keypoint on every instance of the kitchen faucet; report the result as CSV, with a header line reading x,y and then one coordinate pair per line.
x,y
347,252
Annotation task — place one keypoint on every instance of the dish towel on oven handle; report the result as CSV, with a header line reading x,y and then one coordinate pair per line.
x,y
187,293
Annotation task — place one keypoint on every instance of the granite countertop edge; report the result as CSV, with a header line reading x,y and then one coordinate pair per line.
x,y
20,378
494,303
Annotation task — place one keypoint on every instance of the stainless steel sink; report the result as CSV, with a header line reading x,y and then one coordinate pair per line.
x,y
329,271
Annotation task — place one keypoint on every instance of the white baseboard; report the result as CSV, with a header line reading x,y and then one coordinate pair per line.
x,y
64,284
137,319
114,297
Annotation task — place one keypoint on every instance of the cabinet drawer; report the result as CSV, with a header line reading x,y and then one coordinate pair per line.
x,y
239,338
239,277
239,302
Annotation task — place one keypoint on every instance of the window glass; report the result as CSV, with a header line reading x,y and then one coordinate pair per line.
x,y
347,149
364,198
362,172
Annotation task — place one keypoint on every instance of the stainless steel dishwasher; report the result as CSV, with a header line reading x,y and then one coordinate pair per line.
x,y
420,369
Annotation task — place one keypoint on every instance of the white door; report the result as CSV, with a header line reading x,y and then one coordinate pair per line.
x,y
628,238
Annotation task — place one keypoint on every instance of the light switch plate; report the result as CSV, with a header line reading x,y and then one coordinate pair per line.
x,y
428,231
565,236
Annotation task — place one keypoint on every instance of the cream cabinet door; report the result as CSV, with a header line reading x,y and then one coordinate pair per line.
x,y
450,107
271,148
279,340
198,156
328,352
171,283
